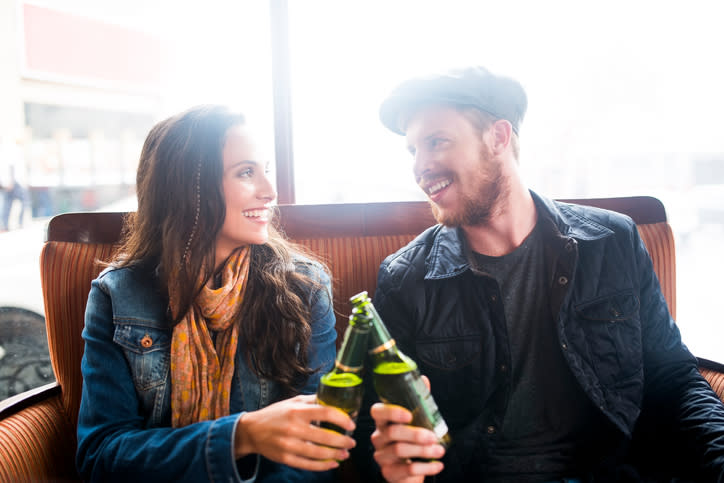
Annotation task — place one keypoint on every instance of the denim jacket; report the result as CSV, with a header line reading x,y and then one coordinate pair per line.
x,y
124,424
613,326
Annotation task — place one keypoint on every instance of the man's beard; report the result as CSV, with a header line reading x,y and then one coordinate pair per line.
x,y
478,208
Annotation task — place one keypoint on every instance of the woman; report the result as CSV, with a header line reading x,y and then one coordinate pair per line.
x,y
201,333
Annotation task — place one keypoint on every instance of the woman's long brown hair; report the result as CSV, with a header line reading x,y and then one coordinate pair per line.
x,y
180,212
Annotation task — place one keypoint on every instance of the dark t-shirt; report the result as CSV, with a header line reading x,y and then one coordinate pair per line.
x,y
550,429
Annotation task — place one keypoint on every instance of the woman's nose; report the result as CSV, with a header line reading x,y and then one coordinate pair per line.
x,y
266,189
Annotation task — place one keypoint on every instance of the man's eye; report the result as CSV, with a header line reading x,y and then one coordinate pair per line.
x,y
437,142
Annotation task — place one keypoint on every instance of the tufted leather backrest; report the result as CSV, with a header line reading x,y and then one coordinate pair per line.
x,y
67,269
352,278
352,239
659,241
37,431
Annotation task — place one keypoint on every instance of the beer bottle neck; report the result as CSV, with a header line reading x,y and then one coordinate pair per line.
x,y
380,339
351,356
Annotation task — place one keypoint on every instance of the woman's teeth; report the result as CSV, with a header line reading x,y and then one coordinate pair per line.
x,y
256,213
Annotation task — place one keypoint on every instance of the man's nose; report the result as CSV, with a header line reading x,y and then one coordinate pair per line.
x,y
421,165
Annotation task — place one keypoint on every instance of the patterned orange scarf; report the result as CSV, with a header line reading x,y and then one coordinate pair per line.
x,y
201,367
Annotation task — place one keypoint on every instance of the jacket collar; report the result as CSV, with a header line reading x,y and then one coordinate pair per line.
x,y
447,257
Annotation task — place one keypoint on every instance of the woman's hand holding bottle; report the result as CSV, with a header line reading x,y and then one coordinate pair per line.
x,y
285,432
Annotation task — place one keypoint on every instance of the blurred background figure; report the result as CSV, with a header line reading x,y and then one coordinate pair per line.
x,y
13,183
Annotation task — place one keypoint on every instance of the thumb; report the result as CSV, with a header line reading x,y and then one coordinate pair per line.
x,y
426,381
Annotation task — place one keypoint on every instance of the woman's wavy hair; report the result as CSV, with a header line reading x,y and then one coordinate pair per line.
x,y
181,210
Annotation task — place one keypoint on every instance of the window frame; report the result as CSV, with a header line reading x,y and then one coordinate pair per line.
x,y
282,101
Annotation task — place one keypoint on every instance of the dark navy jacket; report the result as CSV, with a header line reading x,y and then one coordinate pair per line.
x,y
614,330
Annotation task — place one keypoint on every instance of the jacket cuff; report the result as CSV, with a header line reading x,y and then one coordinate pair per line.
x,y
248,465
219,451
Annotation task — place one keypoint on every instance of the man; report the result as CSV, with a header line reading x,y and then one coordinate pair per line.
x,y
541,325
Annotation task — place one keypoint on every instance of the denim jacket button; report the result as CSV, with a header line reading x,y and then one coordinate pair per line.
x,y
562,280
146,341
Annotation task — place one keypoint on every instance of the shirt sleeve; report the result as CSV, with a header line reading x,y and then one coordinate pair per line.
x,y
680,414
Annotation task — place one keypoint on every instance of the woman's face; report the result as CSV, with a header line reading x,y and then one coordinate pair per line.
x,y
248,195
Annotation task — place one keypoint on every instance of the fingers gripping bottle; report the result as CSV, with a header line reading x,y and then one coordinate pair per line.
x,y
342,387
396,377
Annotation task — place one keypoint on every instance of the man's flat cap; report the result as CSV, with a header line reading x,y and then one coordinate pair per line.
x,y
477,87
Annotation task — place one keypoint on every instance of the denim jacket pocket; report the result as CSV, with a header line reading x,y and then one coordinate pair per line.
x,y
612,327
148,352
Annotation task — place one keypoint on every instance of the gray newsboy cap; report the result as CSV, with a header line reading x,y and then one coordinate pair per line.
x,y
502,97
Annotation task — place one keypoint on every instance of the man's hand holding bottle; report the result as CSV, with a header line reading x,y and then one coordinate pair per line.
x,y
405,453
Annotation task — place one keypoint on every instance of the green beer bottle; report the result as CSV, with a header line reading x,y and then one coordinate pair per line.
x,y
396,377
342,387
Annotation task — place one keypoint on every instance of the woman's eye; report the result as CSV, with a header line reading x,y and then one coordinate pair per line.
x,y
245,173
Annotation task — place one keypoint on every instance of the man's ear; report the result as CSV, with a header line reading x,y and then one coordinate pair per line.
x,y
501,134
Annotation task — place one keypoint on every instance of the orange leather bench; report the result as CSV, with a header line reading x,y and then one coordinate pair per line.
x,y
37,428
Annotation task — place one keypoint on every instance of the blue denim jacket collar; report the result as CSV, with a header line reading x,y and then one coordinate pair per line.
x,y
126,387
139,307
447,257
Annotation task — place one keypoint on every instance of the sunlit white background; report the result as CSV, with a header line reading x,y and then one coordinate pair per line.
x,y
625,98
